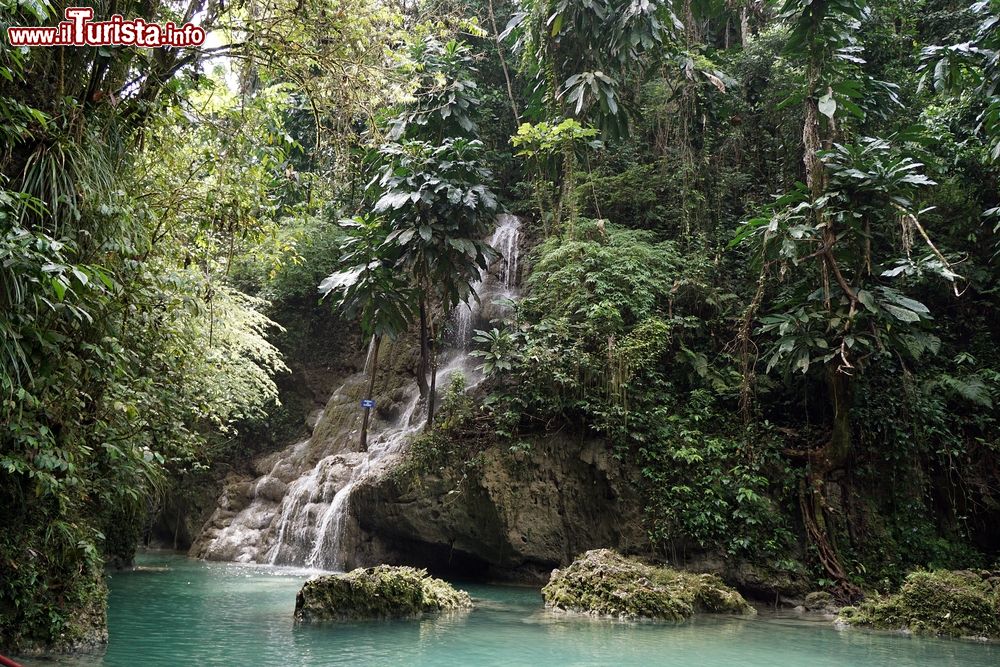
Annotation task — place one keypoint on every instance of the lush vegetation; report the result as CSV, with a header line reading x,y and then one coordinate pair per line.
x,y
769,361
134,189
764,262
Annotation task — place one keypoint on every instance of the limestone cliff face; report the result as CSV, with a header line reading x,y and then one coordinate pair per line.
x,y
281,512
511,516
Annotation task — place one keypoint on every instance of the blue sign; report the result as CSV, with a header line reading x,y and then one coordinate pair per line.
x,y
367,403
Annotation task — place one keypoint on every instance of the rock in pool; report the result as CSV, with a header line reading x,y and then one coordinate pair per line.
x,y
953,603
605,583
375,593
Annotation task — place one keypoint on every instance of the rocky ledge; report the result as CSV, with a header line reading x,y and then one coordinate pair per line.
x,y
953,603
603,582
375,593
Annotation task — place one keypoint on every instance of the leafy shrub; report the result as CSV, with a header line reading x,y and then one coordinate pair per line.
x,y
611,334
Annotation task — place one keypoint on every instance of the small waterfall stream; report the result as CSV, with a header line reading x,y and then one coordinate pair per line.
x,y
503,285
325,553
299,509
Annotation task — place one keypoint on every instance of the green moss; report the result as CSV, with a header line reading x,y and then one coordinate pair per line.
x,y
954,603
87,629
821,601
606,583
374,593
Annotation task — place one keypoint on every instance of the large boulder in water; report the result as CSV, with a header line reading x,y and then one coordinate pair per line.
x,y
375,593
954,603
603,582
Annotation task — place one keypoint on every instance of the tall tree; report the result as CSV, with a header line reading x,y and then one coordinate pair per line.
x,y
434,194
971,67
581,54
370,288
439,210
841,307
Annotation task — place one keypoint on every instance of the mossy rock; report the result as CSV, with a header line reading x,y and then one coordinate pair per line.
x,y
953,603
822,602
375,593
605,583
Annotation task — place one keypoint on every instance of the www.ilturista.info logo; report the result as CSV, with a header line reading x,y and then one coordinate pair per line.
x,y
79,30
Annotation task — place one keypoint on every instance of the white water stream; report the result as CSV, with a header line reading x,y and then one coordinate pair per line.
x,y
299,510
498,287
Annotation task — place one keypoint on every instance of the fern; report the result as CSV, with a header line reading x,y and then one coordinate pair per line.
x,y
972,388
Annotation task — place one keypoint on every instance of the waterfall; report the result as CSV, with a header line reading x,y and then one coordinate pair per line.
x,y
299,509
505,240
326,550
462,321
499,283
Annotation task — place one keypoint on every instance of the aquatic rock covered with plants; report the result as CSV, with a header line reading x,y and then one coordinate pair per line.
x,y
603,582
375,593
954,603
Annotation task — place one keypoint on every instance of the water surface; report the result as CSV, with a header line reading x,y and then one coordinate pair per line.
x,y
197,613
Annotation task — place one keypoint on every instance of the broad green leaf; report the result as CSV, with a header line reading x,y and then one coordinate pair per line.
x,y
59,288
868,300
557,24
827,105
901,314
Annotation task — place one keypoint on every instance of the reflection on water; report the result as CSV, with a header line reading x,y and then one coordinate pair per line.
x,y
223,614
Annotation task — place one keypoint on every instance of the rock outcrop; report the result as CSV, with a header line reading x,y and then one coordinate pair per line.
x,y
953,603
820,602
605,583
279,513
507,516
376,593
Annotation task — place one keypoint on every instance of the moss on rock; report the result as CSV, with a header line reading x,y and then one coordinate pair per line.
x,y
954,603
377,592
821,602
603,582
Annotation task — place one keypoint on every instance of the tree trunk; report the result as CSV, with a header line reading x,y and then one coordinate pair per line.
x,y
503,63
567,197
434,370
423,366
376,342
833,455
812,144
840,439
818,515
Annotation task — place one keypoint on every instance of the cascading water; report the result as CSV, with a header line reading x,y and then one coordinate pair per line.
x,y
325,552
298,511
506,240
